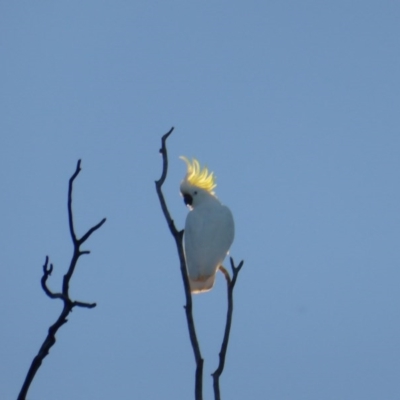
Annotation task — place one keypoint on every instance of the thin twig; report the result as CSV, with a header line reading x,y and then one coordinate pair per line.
x,y
64,295
47,270
224,347
178,235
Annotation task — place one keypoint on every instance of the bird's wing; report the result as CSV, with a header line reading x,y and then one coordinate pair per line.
x,y
209,233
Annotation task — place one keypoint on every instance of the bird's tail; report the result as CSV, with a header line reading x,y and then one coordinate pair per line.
x,y
203,285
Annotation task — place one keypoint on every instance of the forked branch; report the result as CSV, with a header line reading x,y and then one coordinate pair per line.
x,y
224,347
68,304
178,235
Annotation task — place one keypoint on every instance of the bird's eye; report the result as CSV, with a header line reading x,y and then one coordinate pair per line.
x,y
195,192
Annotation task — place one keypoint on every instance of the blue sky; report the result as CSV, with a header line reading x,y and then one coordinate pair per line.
x,y
293,105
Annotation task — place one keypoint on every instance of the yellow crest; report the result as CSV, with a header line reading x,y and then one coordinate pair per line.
x,y
199,177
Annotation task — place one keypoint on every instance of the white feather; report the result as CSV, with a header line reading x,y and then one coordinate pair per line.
x,y
209,233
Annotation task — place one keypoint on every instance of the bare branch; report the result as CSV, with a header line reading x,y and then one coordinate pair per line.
x,y
46,273
160,182
235,270
64,296
70,215
91,230
224,347
178,235
163,152
83,304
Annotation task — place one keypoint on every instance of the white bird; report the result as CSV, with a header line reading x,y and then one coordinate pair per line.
x,y
209,227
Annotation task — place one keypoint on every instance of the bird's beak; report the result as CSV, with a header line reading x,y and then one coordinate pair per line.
x,y
188,199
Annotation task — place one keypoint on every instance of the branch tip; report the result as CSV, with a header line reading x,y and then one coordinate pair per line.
x,y
236,270
47,270
83,304
165,137
90,231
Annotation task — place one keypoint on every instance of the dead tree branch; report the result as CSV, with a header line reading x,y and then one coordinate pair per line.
x,y
68,304
224,347
178,235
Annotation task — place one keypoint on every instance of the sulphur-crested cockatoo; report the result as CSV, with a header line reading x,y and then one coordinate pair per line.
x,y
209,228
